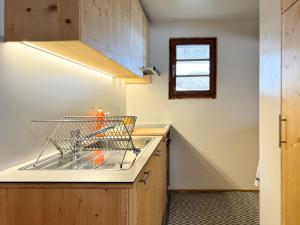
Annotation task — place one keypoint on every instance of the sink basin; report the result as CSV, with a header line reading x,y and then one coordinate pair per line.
x,y
141,142
96,159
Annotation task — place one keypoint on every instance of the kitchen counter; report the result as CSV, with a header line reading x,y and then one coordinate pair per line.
x,y
13,174
151,129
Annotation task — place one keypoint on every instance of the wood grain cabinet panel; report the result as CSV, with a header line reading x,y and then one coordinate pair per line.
x,y
137,37
47,206
142,197
46,20
285,4
97,25
149,195
121,32
161,181
146,41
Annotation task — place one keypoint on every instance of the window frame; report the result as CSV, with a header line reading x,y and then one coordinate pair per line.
x,y
212,92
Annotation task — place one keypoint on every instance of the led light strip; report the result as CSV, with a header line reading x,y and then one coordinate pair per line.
x,y
65,58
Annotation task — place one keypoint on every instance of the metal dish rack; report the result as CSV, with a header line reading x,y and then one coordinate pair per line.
x,y
73,135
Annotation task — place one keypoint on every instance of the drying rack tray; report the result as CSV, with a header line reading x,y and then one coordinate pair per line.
x,y
88,133
75,134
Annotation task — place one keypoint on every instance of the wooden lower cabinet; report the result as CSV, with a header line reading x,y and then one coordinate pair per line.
x,y
140,203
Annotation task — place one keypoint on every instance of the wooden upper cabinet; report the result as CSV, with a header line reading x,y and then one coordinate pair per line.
x,y
114,28
285,4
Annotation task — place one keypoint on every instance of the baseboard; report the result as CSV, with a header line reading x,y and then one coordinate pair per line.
x,y
213,190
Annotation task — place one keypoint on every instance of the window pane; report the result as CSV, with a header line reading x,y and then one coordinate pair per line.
x,y
192,68
192,83
192,52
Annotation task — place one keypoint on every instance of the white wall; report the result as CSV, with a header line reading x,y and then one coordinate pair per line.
x,y
270,90
36,85
215,142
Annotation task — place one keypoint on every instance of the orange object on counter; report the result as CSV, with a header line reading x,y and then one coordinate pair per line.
x,y
100,159
100,117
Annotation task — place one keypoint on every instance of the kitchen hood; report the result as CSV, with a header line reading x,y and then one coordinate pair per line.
x,y
151,71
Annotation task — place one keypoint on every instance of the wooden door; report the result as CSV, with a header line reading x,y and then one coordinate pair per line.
x,y
285,4
291,112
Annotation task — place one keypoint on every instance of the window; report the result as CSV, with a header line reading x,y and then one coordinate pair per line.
x,y
193,68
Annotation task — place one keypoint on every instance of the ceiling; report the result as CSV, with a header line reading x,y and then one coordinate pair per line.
x,y
174,10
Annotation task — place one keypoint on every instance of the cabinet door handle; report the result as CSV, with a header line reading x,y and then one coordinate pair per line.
x,y
281,120
145,177
157,153
167,141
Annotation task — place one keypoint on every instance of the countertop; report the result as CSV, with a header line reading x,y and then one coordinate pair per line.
x,y
157,131
14,175
151,129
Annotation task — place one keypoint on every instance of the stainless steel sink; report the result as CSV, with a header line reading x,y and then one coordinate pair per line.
x,y
96,159
141,142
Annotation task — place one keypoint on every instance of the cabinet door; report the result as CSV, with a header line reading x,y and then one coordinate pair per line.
x,y
290,111
161,181
63,206
285,4
96,25
121,32
142,197
146,41
46,20
137,38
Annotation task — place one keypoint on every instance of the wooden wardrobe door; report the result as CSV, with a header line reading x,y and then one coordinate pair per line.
x,y
291,112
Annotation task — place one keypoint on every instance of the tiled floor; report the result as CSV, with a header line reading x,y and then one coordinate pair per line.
x,y
217,208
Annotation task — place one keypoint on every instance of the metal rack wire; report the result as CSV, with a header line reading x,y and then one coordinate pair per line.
x,y
73,135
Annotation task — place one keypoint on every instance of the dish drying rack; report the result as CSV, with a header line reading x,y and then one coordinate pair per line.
x,y
75,134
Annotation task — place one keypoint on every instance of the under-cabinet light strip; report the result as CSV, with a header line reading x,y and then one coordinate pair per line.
x,y
65,58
